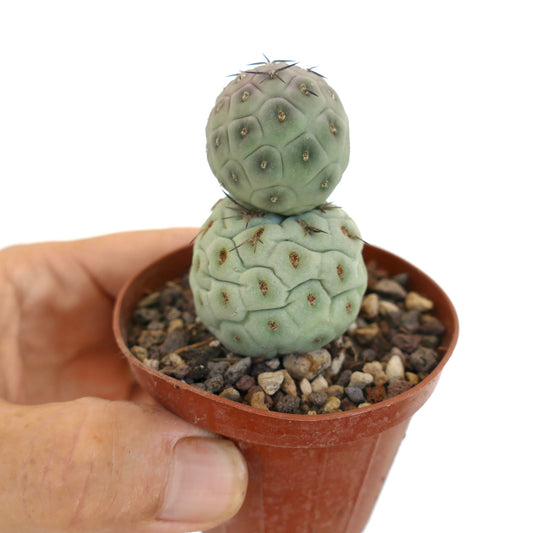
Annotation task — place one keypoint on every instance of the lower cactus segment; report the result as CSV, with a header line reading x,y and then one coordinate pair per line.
x,y
266,285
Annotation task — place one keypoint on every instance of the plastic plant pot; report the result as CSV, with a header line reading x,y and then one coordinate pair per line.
x,y
307,473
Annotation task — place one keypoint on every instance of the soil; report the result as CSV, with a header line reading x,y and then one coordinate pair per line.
x,y
394,343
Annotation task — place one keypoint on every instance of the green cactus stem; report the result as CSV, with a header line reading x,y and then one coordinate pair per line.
x,y
266,284
278,138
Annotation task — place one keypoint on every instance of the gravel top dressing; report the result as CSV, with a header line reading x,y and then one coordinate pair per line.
x,y
394,343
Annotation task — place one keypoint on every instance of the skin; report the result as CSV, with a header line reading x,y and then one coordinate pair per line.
x,y
82,448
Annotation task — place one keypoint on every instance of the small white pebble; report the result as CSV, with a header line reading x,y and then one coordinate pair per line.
x,y
394,369
319,384
270,382
305,387
361,379
273,364
337,363
152,363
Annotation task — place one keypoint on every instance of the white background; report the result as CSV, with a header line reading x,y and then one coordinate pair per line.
x,y
103,106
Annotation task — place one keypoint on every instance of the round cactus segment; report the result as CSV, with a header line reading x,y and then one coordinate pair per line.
x,y
267,285
285,131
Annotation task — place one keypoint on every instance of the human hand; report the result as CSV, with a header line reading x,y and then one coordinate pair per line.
x,y
81,449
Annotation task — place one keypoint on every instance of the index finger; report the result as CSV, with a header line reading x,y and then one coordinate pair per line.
x,y
112,259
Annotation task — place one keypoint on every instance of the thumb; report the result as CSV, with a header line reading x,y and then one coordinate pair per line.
x,y
94,465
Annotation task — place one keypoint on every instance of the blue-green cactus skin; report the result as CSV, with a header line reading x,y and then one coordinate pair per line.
x,y
278,139
266,284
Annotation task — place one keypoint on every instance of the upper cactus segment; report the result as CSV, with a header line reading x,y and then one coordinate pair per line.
x,y
278,139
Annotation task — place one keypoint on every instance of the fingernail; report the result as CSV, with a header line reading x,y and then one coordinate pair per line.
x,y
206,483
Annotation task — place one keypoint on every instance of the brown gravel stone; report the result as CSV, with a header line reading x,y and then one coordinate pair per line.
x,y
397,387
375,393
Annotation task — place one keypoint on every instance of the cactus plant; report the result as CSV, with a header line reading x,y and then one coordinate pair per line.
x,y
275,268
277,138
265,284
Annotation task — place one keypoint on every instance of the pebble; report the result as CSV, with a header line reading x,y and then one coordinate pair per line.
x,y
173,314
410,321
412,378
406,342
307,365
258,400
139,352
230,394
305,387
388,308
152,363
347,405
376,371
332,405
214,384
181,371
144,315
335,390
217,367
376,393
336,364
394,369
288,404
245,383
415,301
344,378
175,339
355,394
361,379
237,370
288,386
430,325
270,382
397,387
149,337
370,306
273,364
318,399
423,360
390,288
319,384
156,325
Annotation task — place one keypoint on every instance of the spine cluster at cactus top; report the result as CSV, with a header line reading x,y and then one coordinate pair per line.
x,y
275,268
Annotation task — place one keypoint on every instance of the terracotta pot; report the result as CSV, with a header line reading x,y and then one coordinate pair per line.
x,y
308,473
